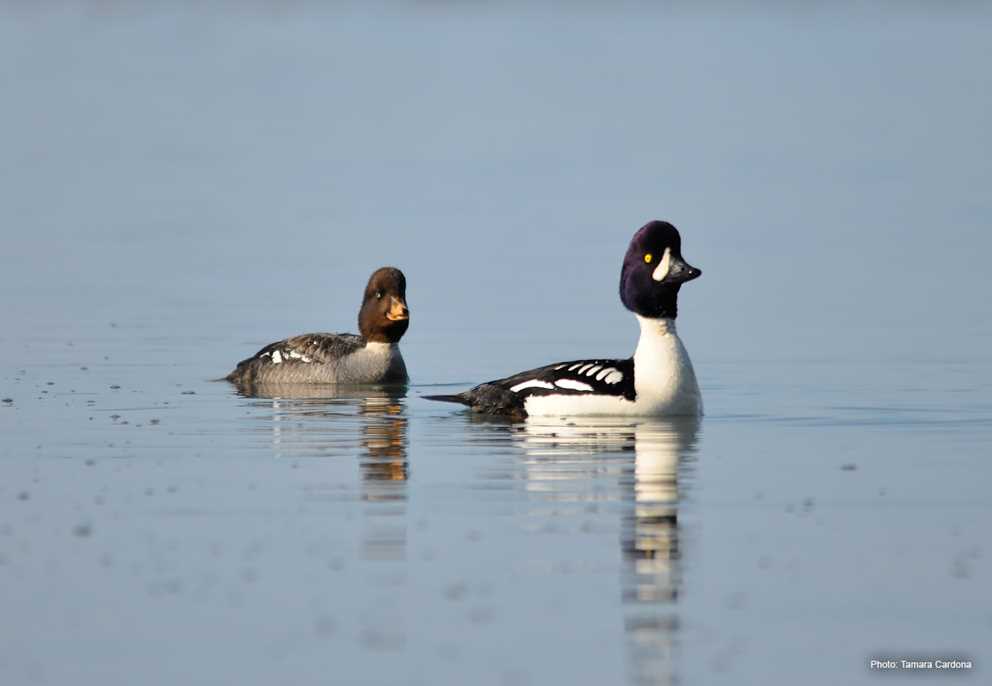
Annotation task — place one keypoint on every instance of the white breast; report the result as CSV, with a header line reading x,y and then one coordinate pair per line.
x,y
664,379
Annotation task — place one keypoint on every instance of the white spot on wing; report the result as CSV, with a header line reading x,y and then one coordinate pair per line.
x,y
574,367
583,368
276,357
532,383
614,377
573,384
661,271
595,368
606,370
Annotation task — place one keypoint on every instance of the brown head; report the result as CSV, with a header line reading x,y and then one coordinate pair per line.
x,y
384,316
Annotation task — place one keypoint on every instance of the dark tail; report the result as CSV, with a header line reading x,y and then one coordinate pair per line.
x,y
462,400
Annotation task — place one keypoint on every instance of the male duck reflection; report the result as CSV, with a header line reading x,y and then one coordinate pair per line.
x,y
657,381
342,358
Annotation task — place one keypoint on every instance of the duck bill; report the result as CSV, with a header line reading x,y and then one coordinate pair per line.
x,y
398,311
681,271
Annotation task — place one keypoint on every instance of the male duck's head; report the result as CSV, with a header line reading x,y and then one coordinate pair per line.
x,y
653,271
384,316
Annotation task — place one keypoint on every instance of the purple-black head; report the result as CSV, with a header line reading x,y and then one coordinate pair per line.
x,y
653,271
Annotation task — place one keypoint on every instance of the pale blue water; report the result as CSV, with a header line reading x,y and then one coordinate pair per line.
x,y
181,186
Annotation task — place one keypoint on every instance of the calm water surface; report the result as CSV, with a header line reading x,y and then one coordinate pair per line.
x,y
183,186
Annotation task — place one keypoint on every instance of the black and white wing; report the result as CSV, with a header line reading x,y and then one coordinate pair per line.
x,y
579,377
311,348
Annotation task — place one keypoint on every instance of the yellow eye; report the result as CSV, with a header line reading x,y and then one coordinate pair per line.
x,y
647,257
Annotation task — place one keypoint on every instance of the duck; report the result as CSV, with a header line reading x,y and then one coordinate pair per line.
x,y
370,357
657,380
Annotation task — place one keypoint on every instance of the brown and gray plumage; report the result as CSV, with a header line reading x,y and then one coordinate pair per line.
x,y
373,357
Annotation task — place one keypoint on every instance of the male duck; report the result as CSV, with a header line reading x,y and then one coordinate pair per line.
x,y
657,381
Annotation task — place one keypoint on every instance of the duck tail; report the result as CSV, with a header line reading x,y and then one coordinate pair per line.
x,y
460,399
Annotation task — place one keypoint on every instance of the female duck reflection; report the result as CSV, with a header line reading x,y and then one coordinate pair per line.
x,y
644,463
381,429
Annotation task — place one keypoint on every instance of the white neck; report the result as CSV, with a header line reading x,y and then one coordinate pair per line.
x,y
658,352
652,326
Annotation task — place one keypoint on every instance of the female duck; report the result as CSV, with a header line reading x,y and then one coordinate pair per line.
x,y
373,357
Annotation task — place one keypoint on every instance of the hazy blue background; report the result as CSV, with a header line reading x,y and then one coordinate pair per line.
x,y
182,184
239,169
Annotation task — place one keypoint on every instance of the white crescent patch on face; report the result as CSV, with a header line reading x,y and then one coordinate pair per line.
x,y
661,271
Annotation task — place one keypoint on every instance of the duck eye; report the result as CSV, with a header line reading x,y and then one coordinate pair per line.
x,y
379,294
648,257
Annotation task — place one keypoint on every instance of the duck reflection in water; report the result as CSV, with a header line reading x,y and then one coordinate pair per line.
x,y
368,420
643,462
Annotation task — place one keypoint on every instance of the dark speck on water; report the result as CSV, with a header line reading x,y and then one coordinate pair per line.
x,y
114,387
82,530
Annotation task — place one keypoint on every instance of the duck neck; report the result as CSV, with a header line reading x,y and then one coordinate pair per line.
x,y
654,328
657,342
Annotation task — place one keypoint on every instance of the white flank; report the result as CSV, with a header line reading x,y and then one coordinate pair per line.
x,y
587,404
533,383
661,271
573,384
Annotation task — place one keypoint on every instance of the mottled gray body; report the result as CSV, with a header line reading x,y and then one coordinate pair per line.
x,y
323,358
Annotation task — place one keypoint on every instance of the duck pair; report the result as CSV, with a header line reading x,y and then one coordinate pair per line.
x,y
658,380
